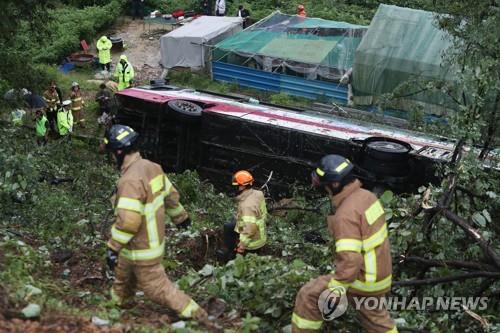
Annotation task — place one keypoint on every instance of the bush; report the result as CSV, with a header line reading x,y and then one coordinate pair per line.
x,y
47,38
68,26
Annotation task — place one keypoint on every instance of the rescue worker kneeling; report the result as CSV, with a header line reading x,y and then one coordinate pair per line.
x,y
247,232
137,241
363,256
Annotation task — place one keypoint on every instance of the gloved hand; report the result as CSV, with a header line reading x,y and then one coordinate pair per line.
x,y
111,259
184,225
239,249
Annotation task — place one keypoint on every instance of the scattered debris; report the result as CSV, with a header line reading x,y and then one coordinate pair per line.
x,y
99,322
32,310
32,291
61,256
179,324
215,307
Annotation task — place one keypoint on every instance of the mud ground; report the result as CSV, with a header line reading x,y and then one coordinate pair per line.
x,y
141,46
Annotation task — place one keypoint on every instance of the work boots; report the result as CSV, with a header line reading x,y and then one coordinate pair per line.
x,y
224,255
201,317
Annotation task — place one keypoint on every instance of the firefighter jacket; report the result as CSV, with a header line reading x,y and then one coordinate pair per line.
x,y
363,255
51,98
125,73
76,100
251,219
104,47
143,193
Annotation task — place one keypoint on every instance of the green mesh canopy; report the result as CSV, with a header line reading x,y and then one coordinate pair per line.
x,y
401,45
291,44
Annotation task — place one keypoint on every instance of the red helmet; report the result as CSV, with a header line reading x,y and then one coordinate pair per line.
x,y
242,178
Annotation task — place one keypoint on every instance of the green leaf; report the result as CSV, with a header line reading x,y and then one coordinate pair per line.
x,y
388,214
207,270
32,290
491,194
486,215
387,197
239,266
479,219
298,264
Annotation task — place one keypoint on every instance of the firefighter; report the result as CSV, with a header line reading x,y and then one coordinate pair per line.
x,y
77,104
124,72
53,98
247,232
363,256
136,246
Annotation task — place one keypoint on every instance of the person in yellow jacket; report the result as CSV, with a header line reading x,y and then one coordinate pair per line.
x,y
41,128
104,46
124,73
362,255
65,119
77,104
247,232
136,245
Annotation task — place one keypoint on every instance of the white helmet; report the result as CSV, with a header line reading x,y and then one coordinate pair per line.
x,y
66,102
75,84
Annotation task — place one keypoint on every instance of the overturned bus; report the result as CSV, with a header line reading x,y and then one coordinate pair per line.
x,y
217,135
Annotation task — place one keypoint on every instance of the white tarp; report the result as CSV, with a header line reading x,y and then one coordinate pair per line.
x,y
187,46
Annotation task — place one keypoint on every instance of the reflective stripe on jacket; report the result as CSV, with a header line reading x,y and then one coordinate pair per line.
x,y
104,48
76,100
51,99
143,193
124,73
41,126
363,255
251,219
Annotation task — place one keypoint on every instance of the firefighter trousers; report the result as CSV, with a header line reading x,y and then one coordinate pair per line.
x,y
155,284
307,316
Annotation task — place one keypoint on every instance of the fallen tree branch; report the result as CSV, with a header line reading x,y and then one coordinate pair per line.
x,y
295,208
448,279
471,194
475,235
485,285
449,263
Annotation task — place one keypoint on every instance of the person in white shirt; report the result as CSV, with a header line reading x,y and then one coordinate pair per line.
x,y
220,7
244,14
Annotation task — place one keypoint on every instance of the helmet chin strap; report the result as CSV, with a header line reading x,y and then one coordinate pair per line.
x,y
335,190
119,159
237,190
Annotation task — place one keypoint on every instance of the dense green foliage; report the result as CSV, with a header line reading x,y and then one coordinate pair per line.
x,y
38,32
76,216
